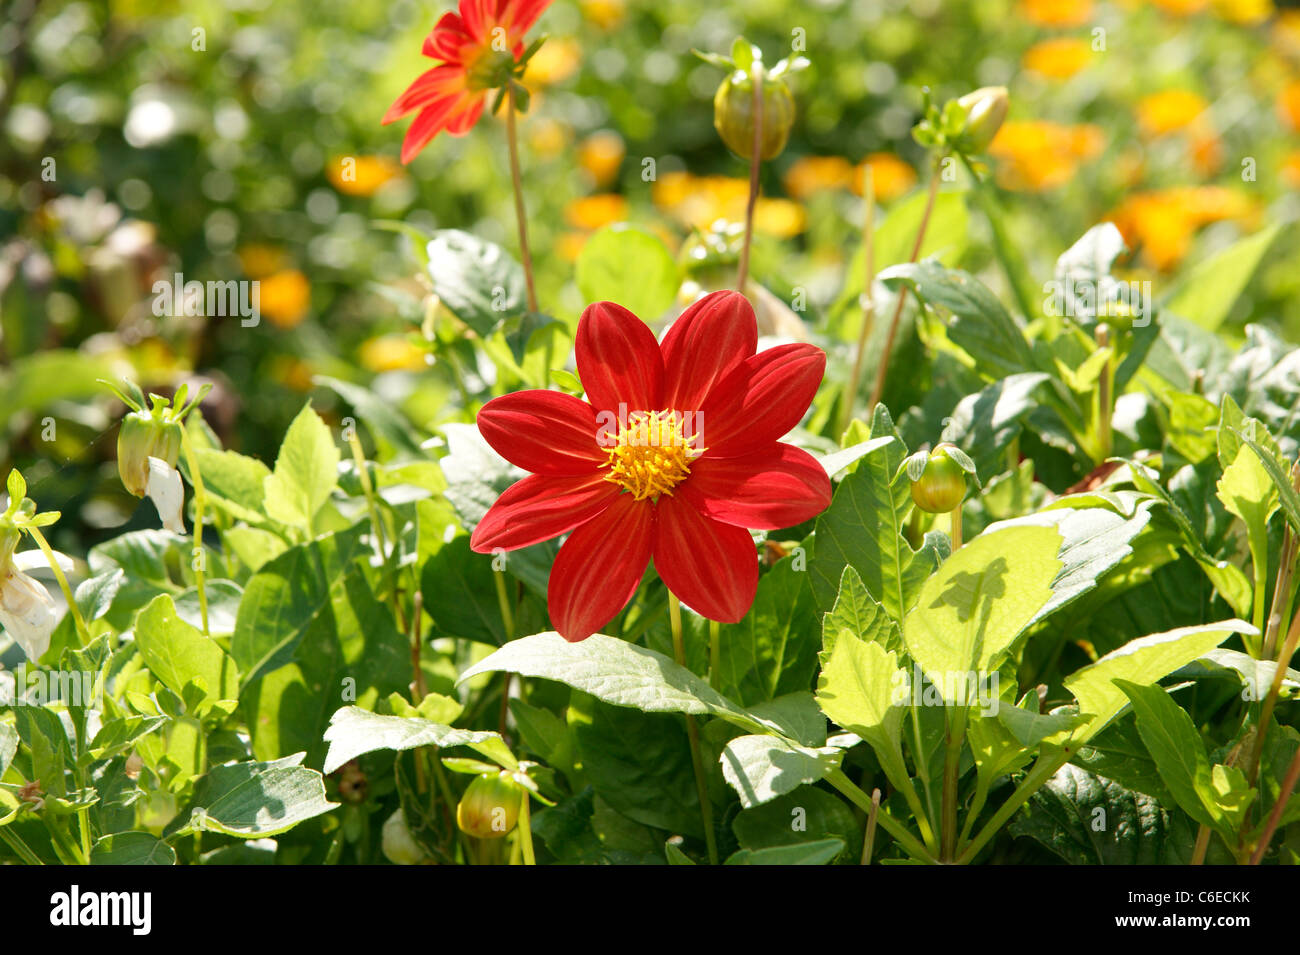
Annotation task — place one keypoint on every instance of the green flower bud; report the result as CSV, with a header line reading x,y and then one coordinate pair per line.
x,y
942,485
733,114
985,108
144,436
490,807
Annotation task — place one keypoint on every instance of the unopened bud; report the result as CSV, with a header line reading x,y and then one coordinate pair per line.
x,y
942,485
490,807
733,114
986,108
144,436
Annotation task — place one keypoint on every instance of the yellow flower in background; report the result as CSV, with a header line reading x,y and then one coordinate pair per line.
x,y
392,353
1288,104
554,62
1168,111
1291,170
1056,13
568,245
362,175
294,373
1285,32
783,218
813,174
891,177
259,259
1245,12
699,201
1037,155
601,154
593,212
1058,58
606,14
547,137
1162,223
284,297
1181,8
1205,149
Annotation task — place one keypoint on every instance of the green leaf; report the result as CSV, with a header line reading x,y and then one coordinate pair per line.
x,y
253,799
353,732
118,735
676,856
234,483
979,324
177,653
8,746
855,610
306,472
809,853
605,271
971,612
861,684
984,424
477,280
760,768
806,815
95,595
1208,291
773,650
1142,661
616,672
476,475
384,421
863,529
1176,747
131,848
1083,279
460,593
1287,495
1089,820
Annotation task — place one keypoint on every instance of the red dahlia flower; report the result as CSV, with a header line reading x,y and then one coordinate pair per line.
x,y
672,456
480,49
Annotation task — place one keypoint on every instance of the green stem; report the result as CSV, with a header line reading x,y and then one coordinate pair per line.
x,y
951,774
956,528
503,601
1042,770
855,795
715,654
922,765
879,388
868,300
869,841
525,828
521,217
755,163
200,504
20,848
1002,247
693,735
83,632
1279,807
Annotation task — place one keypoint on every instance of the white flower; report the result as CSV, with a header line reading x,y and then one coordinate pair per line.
x,y
165,490
400,847
27,612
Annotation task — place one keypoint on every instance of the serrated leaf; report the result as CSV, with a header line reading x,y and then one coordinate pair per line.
x,y
760,768
306,472
353,732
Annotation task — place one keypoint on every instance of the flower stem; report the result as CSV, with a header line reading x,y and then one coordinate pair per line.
x,y
1042,770
951,772
693,734
521,217
20,848
868,300
83,632
1279,807
869,842
200,502
715,654
901,835
525,828
755,163
955,519
1105,398
879,388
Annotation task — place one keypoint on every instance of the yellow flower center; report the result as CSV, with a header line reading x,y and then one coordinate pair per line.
x,y
653,452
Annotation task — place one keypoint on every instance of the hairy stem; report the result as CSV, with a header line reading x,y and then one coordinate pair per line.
x,y
693,735
755,163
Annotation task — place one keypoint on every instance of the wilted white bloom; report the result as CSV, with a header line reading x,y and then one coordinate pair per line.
x,y
165,490
400,847
27,612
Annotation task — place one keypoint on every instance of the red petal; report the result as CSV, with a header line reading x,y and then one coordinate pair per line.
x,y
539,508
466,116
779,486
599,567
546,432
762,400
479,16
707,341
710,566
440,82
618,359
447,39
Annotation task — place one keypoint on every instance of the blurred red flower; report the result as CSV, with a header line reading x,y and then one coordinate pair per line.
x,y
671,457
479,48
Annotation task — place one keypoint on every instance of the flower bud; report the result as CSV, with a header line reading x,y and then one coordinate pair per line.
x,y
490,807
400,847
144,436
942,485
733,114
986,108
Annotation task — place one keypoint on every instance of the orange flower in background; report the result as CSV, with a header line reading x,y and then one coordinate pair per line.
x,y
1037,155
783,218
479,50
1291,170
284,297
1244,12
1162,223
393,353
601,154
362,175
1058,58
891,177
606,14
547,137
259,259
1056,13
699,201
593,212
813,174
1169,111
555,62
1288,104
1181,8
1206,150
